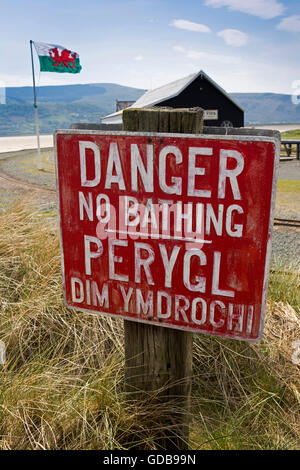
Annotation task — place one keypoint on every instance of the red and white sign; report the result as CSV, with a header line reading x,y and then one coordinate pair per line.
x,y
172,230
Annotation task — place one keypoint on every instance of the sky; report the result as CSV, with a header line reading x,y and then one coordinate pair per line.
x,y
244,45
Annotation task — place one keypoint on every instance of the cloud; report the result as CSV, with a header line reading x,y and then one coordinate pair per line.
x,y
265,9
291,24
207,56
234,37
190,26
179,49
139,57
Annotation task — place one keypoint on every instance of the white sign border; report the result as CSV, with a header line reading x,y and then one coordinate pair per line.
x,y
240,138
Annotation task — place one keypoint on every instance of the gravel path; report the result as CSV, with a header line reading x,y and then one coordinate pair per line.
x,y
289,170
13,176
22,166
286,246
12,191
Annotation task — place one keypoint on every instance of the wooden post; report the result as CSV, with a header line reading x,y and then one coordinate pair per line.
x,y
158,360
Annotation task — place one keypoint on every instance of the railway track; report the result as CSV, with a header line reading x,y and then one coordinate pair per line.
x,y
287,222
24,184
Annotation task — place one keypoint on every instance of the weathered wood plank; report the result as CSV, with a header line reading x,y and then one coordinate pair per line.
x,y
158,360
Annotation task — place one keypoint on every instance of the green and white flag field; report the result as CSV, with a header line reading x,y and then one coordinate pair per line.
x,y
55,58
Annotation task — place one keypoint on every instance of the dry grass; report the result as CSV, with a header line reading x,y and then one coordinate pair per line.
x,y
249,394
62,386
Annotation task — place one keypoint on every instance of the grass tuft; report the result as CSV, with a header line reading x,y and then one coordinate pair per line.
x,y
62,385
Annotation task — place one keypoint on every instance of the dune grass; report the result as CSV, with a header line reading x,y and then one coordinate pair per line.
x,y
62,384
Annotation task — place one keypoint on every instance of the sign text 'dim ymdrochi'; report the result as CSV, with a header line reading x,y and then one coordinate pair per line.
x,y
173,230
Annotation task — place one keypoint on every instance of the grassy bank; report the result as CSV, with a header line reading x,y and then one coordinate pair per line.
x,y
293,135
288,186
62,384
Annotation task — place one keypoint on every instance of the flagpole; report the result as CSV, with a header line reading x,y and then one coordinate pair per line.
x,y
40,165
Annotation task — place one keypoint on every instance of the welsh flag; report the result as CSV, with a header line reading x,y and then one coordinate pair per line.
x,y
55,58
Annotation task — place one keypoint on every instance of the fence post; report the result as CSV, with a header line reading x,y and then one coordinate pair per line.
x,y
158,360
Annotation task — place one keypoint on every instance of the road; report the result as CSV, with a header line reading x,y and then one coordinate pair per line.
x,y
24,142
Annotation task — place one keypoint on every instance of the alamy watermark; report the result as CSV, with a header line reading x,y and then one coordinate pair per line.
x,y
296,353
2,93
295,96
165,220
2,353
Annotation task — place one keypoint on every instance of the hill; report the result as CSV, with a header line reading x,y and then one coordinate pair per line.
x,y
59,106
268,108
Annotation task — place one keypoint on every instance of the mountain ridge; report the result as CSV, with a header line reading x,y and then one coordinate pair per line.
x,y
60,105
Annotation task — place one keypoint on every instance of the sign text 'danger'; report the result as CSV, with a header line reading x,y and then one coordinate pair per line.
x,y
171,230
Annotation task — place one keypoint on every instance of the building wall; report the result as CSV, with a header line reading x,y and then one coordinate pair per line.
x,y
203,94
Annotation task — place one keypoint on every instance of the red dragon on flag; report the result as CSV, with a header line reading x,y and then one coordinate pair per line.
x,y
55,58
66,58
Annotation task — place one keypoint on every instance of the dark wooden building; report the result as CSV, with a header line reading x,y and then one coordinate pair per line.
x,y
196,90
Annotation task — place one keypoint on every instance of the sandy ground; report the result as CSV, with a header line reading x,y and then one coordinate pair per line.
x,y
23,142
15,143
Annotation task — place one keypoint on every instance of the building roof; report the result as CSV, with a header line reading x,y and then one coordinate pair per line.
x,y
165,92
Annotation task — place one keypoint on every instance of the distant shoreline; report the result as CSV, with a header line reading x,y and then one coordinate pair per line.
x,y
28,142
275,126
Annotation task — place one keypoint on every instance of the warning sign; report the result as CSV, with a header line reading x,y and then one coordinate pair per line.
x,y
172,230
